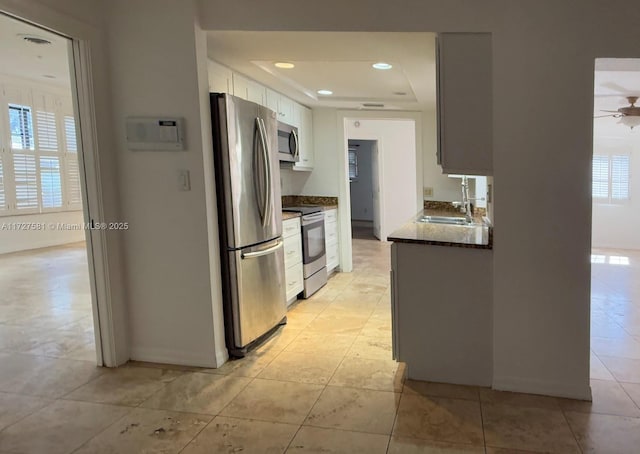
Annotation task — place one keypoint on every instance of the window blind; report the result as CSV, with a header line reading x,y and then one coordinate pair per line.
x,y
46,131
50,182
3,198
620,177
600,181
70,134
74,196
26,181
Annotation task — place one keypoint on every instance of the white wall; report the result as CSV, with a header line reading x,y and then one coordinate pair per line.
x,y
397,150
171,254
616,225
49,235
362,187
444,188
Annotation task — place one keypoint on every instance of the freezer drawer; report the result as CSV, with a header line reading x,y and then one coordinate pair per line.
x,y
258,300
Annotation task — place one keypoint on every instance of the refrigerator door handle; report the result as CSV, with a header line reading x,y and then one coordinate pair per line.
x,y
269,183
267,251
261,197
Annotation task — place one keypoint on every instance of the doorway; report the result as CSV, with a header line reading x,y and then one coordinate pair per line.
x,y
615,255
364,186
48,307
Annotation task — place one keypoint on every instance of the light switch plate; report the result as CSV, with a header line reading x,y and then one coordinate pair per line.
x,y
185,180
428,192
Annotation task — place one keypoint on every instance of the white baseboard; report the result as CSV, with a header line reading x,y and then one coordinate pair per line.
x,y
545,388
222,356
178,358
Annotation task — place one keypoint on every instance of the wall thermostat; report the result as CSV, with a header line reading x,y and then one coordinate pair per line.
x,y
155,134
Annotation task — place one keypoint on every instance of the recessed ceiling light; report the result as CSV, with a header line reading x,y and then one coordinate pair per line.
x,y
382,65
325,92
284,65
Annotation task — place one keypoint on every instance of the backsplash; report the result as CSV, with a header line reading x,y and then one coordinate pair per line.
x,y
448,206
297,200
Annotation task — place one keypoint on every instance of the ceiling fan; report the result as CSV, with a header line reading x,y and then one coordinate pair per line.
x,y
629,115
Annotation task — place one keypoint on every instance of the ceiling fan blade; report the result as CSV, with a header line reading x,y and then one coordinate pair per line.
x,y
616,87
612,111
604,116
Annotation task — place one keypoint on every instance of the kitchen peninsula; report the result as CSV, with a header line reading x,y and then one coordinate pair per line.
x,y
442,298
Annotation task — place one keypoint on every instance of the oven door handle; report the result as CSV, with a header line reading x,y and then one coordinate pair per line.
x,y
267,251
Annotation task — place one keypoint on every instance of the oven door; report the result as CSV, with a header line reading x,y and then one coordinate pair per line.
x,y
313,243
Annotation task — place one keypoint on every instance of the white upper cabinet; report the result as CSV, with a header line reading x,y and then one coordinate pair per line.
x,y
283,106
224,80
247,89
272,99
305,130
465,103
220,78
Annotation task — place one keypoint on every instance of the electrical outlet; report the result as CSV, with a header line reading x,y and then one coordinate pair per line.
x,y
428,192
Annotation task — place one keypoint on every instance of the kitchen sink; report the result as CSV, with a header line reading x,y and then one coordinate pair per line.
x,y
451,220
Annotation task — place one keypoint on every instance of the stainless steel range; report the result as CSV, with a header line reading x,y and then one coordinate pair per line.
x,y
314,259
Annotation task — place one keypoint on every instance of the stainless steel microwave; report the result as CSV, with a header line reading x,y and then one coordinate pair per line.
x,y
288,143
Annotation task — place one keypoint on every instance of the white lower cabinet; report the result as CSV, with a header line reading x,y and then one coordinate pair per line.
x,y
332,240
294,279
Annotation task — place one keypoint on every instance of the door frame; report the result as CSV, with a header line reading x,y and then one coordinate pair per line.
x,y
80,37
377,150
344,192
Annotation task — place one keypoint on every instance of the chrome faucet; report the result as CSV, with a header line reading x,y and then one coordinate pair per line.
x,y
465,205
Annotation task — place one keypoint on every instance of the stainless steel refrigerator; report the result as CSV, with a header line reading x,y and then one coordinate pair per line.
x,y
245,147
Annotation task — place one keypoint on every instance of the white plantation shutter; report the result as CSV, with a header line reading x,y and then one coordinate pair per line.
x,y
3,197
70,134
26,181
74,196
47,134
50,182
620,177
600,188
39,170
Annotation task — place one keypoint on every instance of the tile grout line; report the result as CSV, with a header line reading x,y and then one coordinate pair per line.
x,y
572,431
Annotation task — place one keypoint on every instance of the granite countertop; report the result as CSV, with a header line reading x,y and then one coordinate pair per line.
x,y
476,236
325,202
290,215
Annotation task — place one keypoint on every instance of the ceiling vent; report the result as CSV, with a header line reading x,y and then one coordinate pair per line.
x,y
373,105
36,40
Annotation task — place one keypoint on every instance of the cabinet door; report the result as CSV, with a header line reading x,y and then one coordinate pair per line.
x,y
219,78
305,130
465,99
271,100
285,110
256,93
240,86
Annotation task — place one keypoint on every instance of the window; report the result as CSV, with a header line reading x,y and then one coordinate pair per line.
x,y
39,173
21,127
610,178
353,165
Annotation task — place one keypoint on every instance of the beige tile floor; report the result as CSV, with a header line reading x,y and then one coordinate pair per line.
x,y
324,383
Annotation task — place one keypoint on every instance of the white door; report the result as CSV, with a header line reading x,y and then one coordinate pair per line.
x,y
375,177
